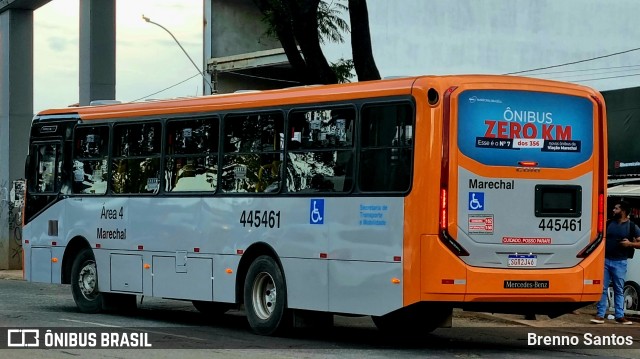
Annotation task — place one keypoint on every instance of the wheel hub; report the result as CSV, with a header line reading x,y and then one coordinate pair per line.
x,y
630,298
264,295
87,280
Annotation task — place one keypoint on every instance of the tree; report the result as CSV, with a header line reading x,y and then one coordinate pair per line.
x,y
361,49
307,24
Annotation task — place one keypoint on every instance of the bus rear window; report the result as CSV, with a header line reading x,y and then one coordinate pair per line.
x,y
558,201
508,128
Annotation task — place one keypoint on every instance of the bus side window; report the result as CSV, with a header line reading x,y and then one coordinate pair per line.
x,y
90,160
252,153
135,166
387,148
320,150
192,158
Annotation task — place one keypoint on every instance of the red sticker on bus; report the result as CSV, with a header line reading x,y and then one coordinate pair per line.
x,y
525,240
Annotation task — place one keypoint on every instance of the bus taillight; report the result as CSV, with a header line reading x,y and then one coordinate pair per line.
x,y
602,181
601,213
443,209
591,247
602,164
444,166
444,235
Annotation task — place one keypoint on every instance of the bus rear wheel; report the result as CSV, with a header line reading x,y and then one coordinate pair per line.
x,y
84,283
265,296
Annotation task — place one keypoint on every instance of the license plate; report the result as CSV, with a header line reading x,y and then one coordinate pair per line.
x,y
523,260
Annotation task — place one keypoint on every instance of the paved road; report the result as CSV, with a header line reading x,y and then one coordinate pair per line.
x,y
175,325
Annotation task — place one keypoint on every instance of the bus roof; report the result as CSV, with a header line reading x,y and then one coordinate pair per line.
x,y
292,95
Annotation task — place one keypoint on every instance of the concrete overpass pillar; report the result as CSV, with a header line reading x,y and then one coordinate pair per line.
x,y
16,112
97,50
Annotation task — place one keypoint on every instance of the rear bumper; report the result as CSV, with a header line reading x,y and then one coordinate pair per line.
x,y
446,278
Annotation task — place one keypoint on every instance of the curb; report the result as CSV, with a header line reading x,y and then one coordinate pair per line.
x,y
501,318
578,319
11,274
506,320
493,317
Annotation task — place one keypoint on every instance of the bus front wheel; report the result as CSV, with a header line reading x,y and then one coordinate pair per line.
x,y
265,296
84,283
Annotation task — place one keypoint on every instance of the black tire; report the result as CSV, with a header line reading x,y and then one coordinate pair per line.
x,y
265,298
211,309
631,293
84,283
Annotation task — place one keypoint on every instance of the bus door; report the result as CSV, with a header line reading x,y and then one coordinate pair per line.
x,y
46,165
44,170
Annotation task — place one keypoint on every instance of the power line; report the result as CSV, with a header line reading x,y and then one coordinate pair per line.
x,y
554,72
583,70
574,62
590,74
604,78
227,72
165,89
260,77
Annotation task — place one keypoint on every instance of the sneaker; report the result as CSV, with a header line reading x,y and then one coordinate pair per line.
x,y
623,321
597,320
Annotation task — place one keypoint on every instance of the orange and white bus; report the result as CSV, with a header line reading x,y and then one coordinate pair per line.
x,y
400,199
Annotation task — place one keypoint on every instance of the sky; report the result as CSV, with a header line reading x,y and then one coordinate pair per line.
x,y
505,36
147,58
409,37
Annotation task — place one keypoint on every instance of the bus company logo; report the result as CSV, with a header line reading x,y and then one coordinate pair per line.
x,y
526,284
474,99
23,338
48,129
528,169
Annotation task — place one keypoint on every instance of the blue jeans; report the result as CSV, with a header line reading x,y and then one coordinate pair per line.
x,y
615,271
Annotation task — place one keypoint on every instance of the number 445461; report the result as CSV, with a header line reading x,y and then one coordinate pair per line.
x,y
259,218
558,224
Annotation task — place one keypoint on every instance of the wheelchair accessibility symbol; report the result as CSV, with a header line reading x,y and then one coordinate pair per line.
x,y
476,201
316,211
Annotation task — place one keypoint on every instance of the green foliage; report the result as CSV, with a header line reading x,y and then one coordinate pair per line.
x,y
271,16
343,70
330,24
289,22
